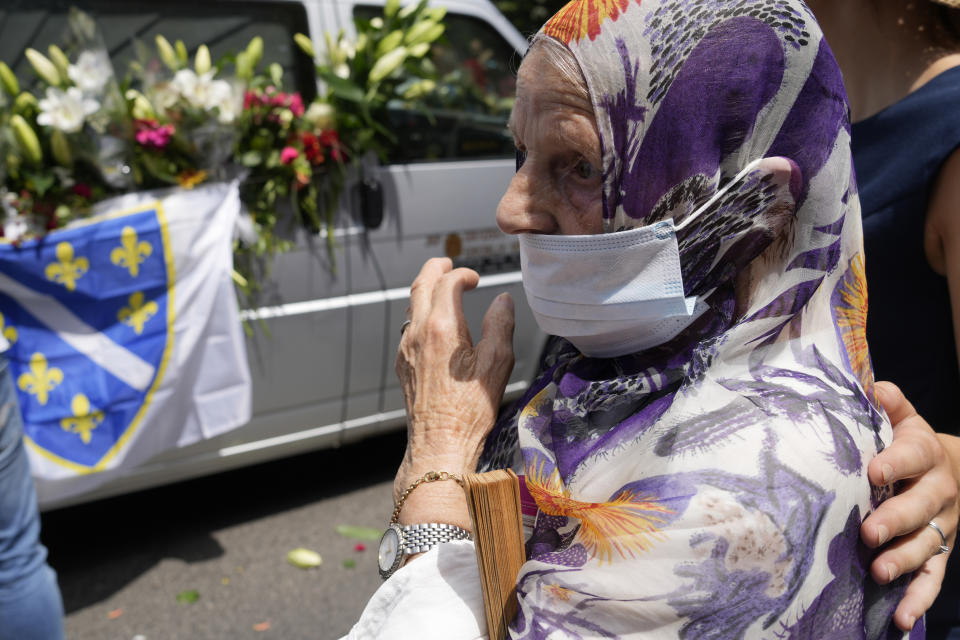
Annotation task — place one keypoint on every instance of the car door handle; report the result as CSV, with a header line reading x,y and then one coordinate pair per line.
x,y
370,199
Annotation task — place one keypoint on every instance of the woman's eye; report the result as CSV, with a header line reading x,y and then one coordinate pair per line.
x,y
585,170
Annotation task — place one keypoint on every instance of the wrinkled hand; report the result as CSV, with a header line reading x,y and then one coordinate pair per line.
x,y
929,492
453,388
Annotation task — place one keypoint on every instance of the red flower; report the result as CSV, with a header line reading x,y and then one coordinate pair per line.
x,y
312,148
331,140
82,190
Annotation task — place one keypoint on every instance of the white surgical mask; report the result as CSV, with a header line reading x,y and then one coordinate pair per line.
x,y
612,294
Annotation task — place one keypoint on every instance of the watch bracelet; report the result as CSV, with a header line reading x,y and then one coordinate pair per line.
x,y
419,538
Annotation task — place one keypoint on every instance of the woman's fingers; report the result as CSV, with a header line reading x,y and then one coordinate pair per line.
x,y
915,448
421,291
918,503
917,458
921,592
914,451
906,554
894,402
495,349
446,313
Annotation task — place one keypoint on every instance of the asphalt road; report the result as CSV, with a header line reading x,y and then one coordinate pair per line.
x,y
122,562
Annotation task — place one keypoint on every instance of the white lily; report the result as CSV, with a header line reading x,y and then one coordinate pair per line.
x,y
66,110
164,95
205,92
226,101
91,72
185,83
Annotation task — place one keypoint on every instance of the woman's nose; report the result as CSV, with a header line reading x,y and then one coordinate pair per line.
x,y
523,210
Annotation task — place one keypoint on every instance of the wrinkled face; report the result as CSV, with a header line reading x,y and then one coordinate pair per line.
x,y
558,188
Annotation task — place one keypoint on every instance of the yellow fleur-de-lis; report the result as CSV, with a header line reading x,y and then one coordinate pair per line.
x,y
138,313
68,270
85,419
131,253
41,380
10,333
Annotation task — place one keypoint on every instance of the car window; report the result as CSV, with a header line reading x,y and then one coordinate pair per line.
x,y
224,27
470,108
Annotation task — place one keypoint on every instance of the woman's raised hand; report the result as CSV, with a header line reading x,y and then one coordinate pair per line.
x,y
928,493
453,388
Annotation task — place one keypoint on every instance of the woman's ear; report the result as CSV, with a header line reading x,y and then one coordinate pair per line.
x,y
786,174
752,217
786,182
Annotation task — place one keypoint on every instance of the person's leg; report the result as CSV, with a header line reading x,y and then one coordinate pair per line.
x,y
30,603
36,611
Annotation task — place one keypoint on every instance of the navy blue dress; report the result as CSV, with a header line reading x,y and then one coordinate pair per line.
x,y
897,154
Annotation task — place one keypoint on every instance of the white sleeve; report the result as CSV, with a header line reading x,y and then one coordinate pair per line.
x,y
435,597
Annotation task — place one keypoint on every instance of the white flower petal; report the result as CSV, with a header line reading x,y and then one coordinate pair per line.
x,y
91,72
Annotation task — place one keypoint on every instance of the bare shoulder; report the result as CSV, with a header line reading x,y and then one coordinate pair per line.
x,y
942,231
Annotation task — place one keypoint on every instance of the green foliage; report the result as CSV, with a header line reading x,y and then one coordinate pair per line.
x,y
364,78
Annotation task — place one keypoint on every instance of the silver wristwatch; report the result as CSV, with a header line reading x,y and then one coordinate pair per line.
x,y
398,542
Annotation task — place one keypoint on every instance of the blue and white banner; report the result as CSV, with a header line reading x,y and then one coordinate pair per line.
x,y
124,335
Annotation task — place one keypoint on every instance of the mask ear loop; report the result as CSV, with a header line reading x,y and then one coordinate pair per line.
x,y
719,194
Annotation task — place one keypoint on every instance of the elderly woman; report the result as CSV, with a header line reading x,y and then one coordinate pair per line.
x,y
698,439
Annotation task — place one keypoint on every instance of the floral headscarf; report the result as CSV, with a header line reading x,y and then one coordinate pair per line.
x,y
714,486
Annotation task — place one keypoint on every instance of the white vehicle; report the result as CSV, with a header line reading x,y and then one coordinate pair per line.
x,y
323,370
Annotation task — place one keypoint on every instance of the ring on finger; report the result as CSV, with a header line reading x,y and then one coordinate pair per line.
x,y
943,539
406,323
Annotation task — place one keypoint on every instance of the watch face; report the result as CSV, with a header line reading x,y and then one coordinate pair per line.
x,y
389,548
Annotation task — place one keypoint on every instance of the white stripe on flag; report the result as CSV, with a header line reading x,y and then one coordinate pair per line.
x,y
124,364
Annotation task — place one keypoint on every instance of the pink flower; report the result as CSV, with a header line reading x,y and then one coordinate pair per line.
x,y
360,547
152,135
288,155
296,104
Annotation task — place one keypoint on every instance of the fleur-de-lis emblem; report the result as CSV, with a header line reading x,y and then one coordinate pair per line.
x,y
85,418
131,253
41,379
138,313
68,270
10,333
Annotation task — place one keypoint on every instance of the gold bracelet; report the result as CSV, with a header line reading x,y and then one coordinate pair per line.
x,y
429,476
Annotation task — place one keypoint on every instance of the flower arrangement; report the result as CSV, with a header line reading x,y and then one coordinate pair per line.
x,y
66,149
387,65
184,117
180,121
285,146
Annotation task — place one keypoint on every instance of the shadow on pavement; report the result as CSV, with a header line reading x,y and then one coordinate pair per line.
x,y
100,547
